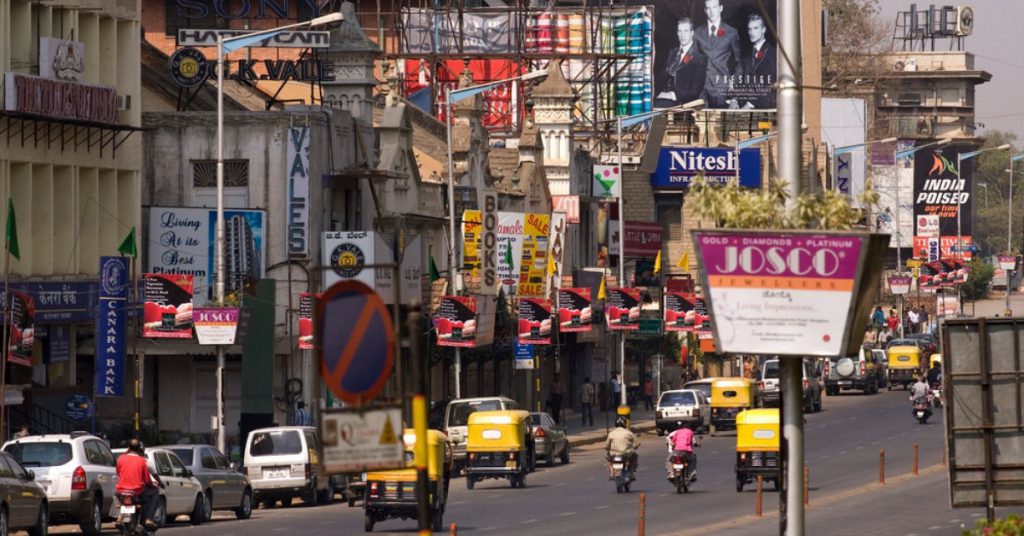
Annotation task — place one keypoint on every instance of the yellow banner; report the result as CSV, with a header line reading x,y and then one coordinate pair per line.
x,y
472,222
535,255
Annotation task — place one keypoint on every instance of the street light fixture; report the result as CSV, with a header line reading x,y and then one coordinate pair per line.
x,y
451,96
622,122
229,44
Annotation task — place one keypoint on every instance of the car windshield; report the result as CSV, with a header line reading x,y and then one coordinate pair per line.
x,y
460,411
704,388
40,454
683,398
771,370
901,342
274,443
537,419
184,454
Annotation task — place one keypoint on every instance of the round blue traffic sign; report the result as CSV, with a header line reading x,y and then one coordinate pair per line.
x,y
78,408
354,338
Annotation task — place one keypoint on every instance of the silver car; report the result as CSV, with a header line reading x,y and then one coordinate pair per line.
x,y
549,438
224,487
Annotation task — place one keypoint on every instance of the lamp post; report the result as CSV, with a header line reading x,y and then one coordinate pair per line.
x,y
1009,228
625,122
227,45
959,202
450,98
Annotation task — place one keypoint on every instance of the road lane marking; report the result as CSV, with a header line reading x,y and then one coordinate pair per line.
x,y
935,527
528,521
485,529
602,507
860,447
954,520
458,503
567,514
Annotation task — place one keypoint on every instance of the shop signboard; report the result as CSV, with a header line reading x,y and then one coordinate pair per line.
x,y
167,311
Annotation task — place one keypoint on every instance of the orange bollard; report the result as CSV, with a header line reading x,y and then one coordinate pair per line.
x,y
758,511
453,530
881,466
943,456
807,491
640,528
915,459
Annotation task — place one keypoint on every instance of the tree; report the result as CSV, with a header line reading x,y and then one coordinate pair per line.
x,y
978,280
990,224
855,37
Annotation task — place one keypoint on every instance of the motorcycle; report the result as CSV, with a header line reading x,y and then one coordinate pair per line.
x,y
129,518
937,394
621,473
922,409
681,477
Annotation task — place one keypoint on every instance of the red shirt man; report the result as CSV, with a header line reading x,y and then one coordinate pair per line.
x,y
133,473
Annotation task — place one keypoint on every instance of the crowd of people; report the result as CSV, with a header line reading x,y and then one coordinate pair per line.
x,y
884,328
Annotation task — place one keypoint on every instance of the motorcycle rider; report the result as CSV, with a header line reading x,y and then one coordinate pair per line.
x,y
935,373
920,390
622,442
682,442
133,476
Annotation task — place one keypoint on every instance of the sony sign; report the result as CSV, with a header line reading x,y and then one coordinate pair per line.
x,y
247,9
679,166
844,173
489,243
300,39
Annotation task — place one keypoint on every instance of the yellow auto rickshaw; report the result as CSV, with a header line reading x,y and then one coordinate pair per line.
x,y
729,396
392,493
904,363
757,446
933,359
499,444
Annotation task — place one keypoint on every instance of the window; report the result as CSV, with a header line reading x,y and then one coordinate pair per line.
x,y
5,469
208,460
220,460
163,467
19,472
40,454
184,454
274,443
204,173
97,453
771,370
677,399
176,466
459,413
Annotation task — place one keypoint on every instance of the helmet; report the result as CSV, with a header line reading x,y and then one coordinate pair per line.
x,y
621,422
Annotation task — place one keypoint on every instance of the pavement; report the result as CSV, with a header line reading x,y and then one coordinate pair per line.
x,y
579,435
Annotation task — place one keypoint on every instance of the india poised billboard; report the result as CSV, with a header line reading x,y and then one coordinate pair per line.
x,y
938,190
721,52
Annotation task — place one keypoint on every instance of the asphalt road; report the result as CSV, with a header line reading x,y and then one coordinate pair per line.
x,y
842,442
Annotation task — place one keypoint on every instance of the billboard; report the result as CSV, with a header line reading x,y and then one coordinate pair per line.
x,y
622,308
722,54
843,125
894,183
167,310
574,309
938,189
367,258
678,166
534,321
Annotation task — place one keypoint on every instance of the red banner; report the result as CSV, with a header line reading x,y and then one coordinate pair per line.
x,y
306,304
643,239
574,310
23,312
455,321
167,312
622,309
534,321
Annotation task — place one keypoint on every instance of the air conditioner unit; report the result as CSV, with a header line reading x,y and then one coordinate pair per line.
x,y
898,66
124,103
964,21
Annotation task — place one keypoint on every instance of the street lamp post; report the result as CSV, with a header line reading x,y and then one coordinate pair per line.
x,y
228,45
959,202
1009,228
625,122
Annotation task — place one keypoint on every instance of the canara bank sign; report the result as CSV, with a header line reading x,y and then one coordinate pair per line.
x,y
249,9
679,166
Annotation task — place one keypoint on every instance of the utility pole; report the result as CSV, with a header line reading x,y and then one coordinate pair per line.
x,y
790,115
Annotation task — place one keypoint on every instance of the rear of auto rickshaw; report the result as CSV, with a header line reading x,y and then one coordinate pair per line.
x,y
729,396
499,444
904,364
933,359
391,494
757,447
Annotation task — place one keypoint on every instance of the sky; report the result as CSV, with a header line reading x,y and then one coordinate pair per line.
x,y
998,103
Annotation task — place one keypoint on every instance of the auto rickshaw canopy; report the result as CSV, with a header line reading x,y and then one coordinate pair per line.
x,y
438,458
497,431
757,430
904,357
733,393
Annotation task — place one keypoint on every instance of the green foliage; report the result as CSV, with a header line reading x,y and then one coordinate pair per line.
x,y
978,280
733,207
992,202
1012,525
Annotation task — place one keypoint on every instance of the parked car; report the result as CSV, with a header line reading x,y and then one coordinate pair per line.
x,y
181,494
224,487
549,438
769,381
77,473
282,463
682,408
860,371
702,385
24,504
456,418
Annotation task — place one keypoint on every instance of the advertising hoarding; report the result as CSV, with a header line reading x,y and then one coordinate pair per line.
x,y
167,311
679,166
534,321
622,309
938,190
575,313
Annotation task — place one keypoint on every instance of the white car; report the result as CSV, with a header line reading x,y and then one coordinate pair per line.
x,y
77,473
682,407
182,494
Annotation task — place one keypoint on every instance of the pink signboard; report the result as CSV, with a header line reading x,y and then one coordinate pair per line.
x,y
781,292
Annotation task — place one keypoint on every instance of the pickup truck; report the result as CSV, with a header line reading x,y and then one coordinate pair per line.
x,y
861,371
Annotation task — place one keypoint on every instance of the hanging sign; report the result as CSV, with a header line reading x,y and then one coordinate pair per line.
x,y
622,308
167,311
306,302
216,325
455,321
574,310
534,321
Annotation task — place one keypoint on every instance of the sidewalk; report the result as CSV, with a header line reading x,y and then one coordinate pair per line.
x,y
579,435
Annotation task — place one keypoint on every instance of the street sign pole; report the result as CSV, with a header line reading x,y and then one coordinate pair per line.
x,y
419,420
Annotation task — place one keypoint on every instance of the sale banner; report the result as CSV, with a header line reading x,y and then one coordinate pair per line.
x,y
471,227
535,255
534,321
622,308
455,321
167,311
23,311
574,310
306,303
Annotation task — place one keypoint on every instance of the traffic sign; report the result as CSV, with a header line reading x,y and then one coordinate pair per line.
x,y
358,439
354,341
78,408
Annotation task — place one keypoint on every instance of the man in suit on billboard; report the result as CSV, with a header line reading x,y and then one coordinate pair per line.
x,y
721,43
685,70
759,67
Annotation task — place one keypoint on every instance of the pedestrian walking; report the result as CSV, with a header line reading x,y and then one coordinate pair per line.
x,y
302,416
914,319
648,393
922,316
587,399
556,392
616,391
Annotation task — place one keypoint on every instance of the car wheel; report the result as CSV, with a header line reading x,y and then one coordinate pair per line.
x,y
286,502
470,481
565,453
740,481
94,524
42,525
268,504
207,506
198,510
660,432
368,522
4,522
437,520
310,496
160,515
244,510
817,403
550,458
327,495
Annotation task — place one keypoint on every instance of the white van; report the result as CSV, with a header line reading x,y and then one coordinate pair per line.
x,y
283,462
456,418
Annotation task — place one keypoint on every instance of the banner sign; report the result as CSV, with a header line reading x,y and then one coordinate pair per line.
x,y
181,242
286,39
59,99
535,255
575,313
364,439
607,181
938,190
724,54
455,321
60,301
510,249
110,326
899,285
534,321
678,166
489,243
306,303
352,254
22,329
167,311
569,204
216,325
681,311
643,239
1007,262
58,344
928,225
472,221
297,215
524,355
556,253
783,292
622,308
934,249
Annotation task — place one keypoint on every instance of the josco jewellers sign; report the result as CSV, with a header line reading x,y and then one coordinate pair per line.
x,y
788,292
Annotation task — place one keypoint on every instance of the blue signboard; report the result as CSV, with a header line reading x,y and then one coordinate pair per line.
x,y
524,355
110,326
60,301
678,166
78,408
58,341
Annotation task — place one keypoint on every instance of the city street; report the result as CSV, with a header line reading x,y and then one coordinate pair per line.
x,y
843,443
